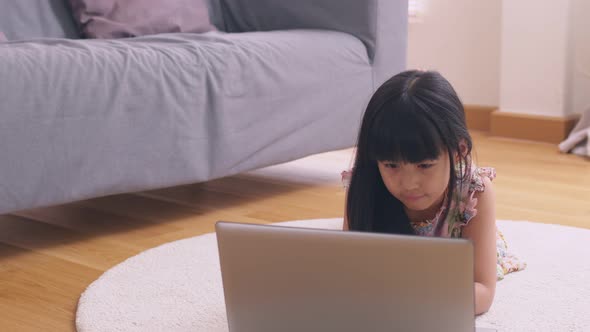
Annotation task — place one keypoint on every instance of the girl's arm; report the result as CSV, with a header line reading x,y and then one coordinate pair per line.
x,y
482,231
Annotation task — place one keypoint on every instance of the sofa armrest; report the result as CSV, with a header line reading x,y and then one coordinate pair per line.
x,y
382,25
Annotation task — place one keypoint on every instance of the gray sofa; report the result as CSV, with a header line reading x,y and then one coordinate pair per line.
x,y
282,79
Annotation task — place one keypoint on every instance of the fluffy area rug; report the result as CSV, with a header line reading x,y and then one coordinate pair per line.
x,y
177,286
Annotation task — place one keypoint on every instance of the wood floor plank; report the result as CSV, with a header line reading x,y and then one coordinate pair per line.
x,y
39,292
93,251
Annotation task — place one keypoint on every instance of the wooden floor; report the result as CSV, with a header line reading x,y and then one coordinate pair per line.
x,y
49,256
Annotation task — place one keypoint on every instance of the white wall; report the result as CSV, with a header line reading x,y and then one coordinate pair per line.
x,y
461,39
579,61
534,71
525,56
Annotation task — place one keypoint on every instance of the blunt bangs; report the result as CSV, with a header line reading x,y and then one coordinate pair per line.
x,y
404,136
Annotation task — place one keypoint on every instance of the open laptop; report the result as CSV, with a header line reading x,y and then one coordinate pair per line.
x,y
281,279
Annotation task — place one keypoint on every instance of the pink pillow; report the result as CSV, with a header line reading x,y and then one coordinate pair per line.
x,y
2,37
131,18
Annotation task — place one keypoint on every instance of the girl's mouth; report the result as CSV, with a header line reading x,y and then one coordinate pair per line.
x,y
413,197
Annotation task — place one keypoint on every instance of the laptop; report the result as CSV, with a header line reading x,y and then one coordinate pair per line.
x,y
282,279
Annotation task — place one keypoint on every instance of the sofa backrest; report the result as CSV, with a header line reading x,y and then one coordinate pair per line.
x,y
216,15
27,19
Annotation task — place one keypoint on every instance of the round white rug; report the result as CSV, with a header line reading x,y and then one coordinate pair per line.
x,y
177,286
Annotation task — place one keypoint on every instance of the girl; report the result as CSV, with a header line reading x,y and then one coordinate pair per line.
x,y
413,174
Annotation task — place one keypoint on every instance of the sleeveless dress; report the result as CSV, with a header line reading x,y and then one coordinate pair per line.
x,y
461,211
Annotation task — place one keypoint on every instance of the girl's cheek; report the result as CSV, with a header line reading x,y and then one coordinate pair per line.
x,y
394,181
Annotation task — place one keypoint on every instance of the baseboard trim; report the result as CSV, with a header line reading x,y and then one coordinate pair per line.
x,y
538,128
532,127
478,117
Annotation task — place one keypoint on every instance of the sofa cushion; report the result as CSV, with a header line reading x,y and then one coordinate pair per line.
x,y
132,18
85,118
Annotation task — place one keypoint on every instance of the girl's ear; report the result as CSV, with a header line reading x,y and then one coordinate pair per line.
x,y
462,150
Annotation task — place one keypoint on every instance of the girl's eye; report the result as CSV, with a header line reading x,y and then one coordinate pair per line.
x,y
425,166
390,165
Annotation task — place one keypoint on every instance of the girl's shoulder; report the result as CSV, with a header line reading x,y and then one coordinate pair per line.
x,y
345,177
465,206
478,174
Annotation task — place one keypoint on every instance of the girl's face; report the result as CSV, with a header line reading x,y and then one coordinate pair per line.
x,y
418,186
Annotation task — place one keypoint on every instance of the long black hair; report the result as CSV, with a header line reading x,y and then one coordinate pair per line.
x,y
412,117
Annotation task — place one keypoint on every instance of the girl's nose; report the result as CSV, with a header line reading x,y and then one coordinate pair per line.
x,y
410,182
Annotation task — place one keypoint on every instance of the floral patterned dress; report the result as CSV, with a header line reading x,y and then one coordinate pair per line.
x,y
461,211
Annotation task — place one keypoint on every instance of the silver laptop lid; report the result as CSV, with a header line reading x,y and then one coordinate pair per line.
x,y
296,279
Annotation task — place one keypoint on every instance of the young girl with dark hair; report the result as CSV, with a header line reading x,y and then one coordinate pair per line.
x,y
414,174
